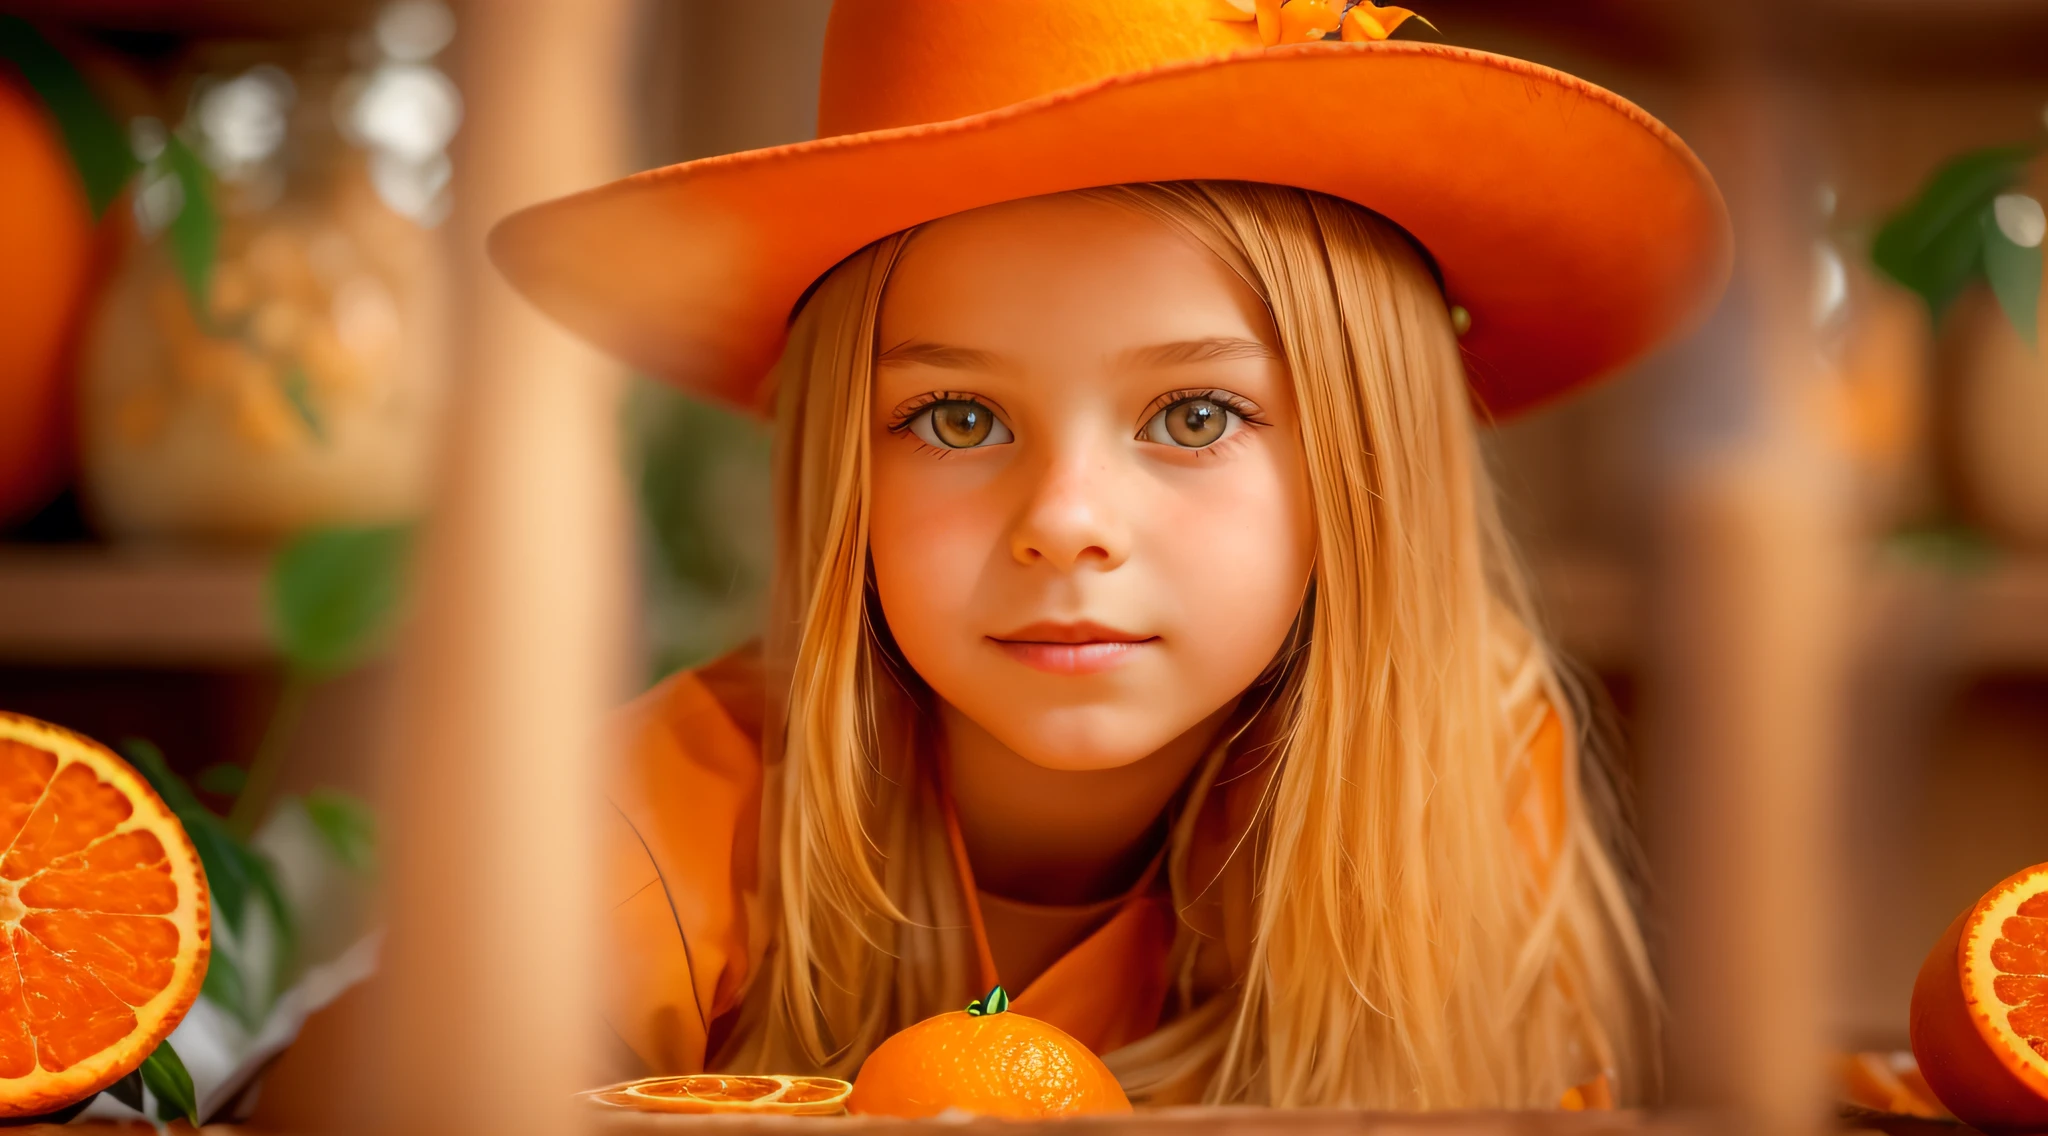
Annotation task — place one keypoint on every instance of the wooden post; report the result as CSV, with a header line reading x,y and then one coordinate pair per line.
x,y
516,652
1750,661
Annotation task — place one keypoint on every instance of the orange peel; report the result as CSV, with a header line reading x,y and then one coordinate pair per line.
x,y
986,1061
104,918
1980,1009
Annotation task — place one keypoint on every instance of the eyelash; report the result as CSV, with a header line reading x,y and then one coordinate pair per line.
x,y
1246,411
899,422
901,419
1236,404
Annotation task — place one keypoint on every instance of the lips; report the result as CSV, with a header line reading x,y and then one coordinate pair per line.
x,y
1071,648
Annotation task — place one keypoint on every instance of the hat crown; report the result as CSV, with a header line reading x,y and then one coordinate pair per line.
x,y
891,63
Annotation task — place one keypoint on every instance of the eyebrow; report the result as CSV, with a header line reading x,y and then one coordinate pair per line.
x,y
1179,353
939,355
1208,350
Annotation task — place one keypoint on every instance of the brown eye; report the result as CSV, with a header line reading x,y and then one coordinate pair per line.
x,y
959,424
1191,424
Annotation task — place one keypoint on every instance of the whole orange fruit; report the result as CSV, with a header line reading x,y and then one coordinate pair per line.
x,y
1980,1009
986,1061
46,262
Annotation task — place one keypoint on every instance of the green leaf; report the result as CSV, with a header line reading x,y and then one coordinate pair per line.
x,y
195,232
149,761
1934,245
225,984
1949,548
285,947
225,988
127,1090
98,146
235,873
2014,272
223,778
224,859
167,1079
333,593
683,444
299,393
701,482
348,824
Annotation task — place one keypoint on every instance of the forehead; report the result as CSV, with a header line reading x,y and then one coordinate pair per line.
x,y
1010,275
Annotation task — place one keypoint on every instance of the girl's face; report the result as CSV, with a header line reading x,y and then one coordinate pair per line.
x,y
1091,525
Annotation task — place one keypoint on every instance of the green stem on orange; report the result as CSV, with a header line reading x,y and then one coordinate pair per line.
x,y
994,1002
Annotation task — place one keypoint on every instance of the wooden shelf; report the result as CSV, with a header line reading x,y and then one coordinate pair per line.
x,y
261,18
86,606
1993,621
1889,39
1190,1121
95,606
2001,618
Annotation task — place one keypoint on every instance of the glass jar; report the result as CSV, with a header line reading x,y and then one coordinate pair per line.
x,y
271,356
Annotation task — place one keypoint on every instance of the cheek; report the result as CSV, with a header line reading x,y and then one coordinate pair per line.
x,y
930,537
1237,552
1217,561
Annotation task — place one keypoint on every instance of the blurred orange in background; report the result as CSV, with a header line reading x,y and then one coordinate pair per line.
x,y
46,257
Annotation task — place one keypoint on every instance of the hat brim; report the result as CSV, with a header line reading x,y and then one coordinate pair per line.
x,y
1576,229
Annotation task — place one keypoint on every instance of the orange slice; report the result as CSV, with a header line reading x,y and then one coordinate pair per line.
x,y
718,1092
1980,1009
1887,1082
103,918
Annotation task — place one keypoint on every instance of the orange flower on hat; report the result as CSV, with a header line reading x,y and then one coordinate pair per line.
x,y
1311,21
1367,21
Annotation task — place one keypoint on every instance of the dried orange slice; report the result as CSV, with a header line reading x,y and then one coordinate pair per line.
x,y
1980,1009
719,1092
104,926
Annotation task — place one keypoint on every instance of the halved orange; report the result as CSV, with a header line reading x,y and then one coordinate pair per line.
x,y
1980,1009
104,923
777,1094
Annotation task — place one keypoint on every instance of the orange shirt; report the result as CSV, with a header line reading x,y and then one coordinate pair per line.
x,y
683,880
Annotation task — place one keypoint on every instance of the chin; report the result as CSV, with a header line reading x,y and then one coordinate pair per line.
x,y
1082,743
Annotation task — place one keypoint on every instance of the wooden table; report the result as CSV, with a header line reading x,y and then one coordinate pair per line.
x,y
1192,1122
1163,1122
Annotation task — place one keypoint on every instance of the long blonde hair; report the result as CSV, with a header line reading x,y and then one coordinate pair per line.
x,y
1399,944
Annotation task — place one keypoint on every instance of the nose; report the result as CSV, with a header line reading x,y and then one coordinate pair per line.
x,y
1073,518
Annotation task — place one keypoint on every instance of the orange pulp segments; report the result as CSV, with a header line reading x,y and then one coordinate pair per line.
x,y
104,918
2004,966
1980,1009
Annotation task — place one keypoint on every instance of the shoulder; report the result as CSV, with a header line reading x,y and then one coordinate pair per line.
x,y
688,774
698,728
682,853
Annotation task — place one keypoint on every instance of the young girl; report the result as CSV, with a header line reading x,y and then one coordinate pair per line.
x,y
1145,637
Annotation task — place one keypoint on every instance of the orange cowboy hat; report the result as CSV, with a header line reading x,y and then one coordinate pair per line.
x,y
1576,230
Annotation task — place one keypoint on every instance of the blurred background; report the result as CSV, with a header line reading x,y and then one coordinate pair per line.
x,y
229,285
